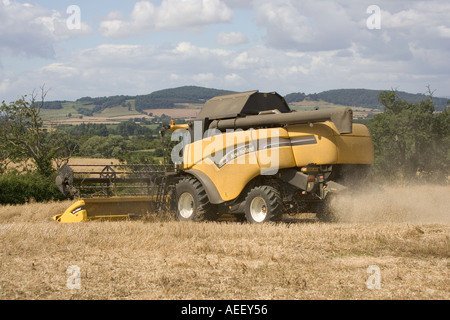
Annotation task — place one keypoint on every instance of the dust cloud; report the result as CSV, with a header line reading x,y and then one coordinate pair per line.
x,y
414,204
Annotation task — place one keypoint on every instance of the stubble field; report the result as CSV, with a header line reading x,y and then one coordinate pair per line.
x,y
404,231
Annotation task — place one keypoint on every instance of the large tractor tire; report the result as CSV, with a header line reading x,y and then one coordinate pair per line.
x,y
263,204
193,203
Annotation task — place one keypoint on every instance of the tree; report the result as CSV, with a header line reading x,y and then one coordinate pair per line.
x,y
410,139
24,137
112,146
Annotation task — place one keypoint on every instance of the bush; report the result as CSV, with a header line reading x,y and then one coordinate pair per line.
x,y
23,188
112,146
411,140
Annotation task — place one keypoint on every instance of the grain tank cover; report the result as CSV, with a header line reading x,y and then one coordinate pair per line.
x,y
242,104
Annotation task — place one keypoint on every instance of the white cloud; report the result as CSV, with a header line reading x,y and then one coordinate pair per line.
x,y
306,25
60,70
443,31
170,15
33,30
234,80
403,19
174,14
246,60
203,78
139,69
5,86
307,46
323,25
231,39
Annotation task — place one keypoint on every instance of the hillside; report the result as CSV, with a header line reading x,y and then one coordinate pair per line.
x,y
121,107
360,98
195,97
170,98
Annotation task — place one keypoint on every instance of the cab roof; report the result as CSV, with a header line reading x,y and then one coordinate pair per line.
x,y
242,104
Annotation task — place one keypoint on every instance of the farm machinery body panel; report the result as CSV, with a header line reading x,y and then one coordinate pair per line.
x,y
246,154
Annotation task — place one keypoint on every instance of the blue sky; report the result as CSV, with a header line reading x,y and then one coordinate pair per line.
x,y
137,47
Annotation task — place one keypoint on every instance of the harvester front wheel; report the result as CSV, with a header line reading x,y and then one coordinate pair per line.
x,y
193,203
263,204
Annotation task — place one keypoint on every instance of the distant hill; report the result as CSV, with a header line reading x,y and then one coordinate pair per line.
x,y
361,98
173,98
101,103
169,98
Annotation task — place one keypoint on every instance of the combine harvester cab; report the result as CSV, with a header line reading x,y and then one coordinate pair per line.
x,y
248,155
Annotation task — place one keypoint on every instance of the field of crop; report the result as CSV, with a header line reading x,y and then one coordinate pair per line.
x,y
109,115
112,115
403,231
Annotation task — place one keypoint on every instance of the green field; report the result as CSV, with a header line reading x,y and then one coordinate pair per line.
x,y
70,111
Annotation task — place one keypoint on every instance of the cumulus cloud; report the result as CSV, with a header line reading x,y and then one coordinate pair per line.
x,y
411,44
170,15
305,25
246,60
409,31
323,25
140,69
307,46
231,39
33,30
111,69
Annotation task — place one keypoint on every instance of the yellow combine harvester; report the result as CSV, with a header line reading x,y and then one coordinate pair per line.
x,y
247,154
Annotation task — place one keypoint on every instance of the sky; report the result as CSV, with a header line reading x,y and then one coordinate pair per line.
x,y
123,47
